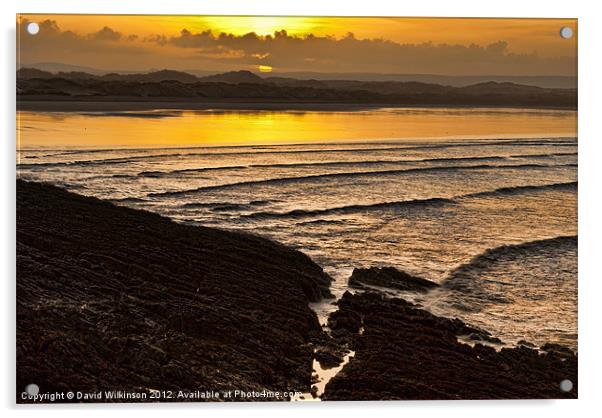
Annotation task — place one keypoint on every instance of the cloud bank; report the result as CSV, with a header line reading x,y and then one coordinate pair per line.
x,y
109,49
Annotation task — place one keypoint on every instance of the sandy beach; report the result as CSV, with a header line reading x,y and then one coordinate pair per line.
x,y
125,105
114,104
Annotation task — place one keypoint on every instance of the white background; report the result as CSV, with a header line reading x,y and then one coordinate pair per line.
x,y
590,159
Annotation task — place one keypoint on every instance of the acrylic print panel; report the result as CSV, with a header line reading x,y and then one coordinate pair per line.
x,y
218,208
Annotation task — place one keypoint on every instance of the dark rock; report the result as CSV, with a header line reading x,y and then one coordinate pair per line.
x,y
558,350
114,298
330,354
483,336
408,353
525,343
345,321
389,277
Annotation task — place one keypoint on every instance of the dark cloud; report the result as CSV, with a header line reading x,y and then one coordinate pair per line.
x,y
106,34
349,54
52,40
52,44
158,39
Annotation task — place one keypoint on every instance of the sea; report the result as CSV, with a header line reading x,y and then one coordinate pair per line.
x,y
482,201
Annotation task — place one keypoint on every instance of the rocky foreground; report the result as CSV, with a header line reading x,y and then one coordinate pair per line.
x,y
391,278
403,352
110,298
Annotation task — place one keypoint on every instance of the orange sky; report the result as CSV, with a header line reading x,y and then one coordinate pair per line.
x,y
320,44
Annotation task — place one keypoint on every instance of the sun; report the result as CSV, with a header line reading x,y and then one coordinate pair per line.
x,y
265,69
265,25
261,25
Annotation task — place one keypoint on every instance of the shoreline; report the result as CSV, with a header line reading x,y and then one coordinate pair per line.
x,y
138,296
166,104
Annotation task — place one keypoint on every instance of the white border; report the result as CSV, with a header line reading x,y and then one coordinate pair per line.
x,y
590,229
508,8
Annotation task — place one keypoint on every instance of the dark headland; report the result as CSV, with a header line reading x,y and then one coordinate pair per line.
x,y
111,298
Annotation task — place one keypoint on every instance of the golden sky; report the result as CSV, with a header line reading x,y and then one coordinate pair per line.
x,y
313,44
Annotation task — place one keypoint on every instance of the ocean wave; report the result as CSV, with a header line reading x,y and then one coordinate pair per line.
x,y
313,177
104,161
300,213
547,155
288,151
159,174
320,222
129,200
137,158
225,206
84,163
462,278
513,190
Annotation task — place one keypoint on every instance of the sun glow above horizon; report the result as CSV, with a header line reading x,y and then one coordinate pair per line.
x,y
265,69
261,25
224,43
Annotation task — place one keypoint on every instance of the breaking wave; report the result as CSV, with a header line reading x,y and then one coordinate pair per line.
x,y
462,278
298,179
300,213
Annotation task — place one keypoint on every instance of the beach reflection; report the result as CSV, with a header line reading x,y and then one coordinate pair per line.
x,y
169,128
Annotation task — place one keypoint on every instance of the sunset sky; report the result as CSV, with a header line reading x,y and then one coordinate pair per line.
x,y
314,44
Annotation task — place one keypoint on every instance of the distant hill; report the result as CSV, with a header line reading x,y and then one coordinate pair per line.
x,y
56,67
27,73
245,86
233,77
155,76
545,81
381,87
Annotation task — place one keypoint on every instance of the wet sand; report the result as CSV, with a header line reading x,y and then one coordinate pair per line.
x,y
123,104
117,104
